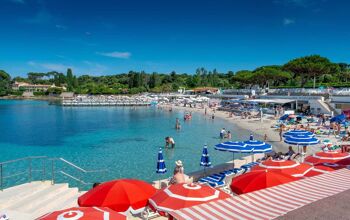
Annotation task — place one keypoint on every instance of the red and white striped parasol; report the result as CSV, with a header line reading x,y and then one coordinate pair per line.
x,y
180,196
289,167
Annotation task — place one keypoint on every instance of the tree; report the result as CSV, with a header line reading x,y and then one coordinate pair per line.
x,y
70,80
270,74
310,67
244,77
5,83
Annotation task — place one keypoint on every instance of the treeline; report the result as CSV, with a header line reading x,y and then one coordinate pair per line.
x,y
306,71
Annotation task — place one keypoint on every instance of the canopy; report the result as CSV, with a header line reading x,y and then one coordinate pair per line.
x,y
259,179
289,167
84,213
301,140
334,157
120,195
184,195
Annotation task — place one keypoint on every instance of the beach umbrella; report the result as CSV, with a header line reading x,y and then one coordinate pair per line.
x,y
84,213
234,147
121,195
184,195
328,167
258,146
330,157
259,179
298,132
289,167
284,117
205,159
301,140
161,168
338,119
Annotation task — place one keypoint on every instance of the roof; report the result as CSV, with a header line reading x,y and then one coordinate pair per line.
x,y
203,89
272,202
277,101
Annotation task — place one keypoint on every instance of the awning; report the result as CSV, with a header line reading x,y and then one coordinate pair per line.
x,y
271,202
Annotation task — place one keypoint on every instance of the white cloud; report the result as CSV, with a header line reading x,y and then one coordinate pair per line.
x,y
116,54
50,66
288,21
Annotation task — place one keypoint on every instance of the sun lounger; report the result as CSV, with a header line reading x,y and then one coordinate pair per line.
x,y
215,180
248,166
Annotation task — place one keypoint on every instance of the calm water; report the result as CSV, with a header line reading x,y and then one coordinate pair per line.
x,y
123,139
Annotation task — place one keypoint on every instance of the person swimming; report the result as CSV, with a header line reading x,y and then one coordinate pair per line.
x,y
169,141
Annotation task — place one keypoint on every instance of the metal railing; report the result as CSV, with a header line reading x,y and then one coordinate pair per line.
x,y
79,178
29,169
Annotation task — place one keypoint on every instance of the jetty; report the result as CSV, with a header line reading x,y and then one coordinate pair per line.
x,y
102,100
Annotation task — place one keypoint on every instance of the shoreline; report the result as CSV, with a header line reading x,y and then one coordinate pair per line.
x,y
254,126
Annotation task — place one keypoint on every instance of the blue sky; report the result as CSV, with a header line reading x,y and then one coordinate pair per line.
x,y
115,36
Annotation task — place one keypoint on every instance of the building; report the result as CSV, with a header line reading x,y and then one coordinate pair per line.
x,y
34,87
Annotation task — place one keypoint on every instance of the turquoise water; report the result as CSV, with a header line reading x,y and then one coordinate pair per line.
x,y
123,139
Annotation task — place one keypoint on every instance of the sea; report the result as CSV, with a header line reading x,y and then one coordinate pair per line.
x,y
116,142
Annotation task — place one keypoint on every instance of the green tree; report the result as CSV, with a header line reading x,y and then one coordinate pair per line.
x,y
310,67
5,83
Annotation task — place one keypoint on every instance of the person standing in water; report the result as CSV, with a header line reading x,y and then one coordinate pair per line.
x,y
177,124
169,141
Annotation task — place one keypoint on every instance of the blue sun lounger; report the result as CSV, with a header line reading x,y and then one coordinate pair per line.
x,y
248,166
214,180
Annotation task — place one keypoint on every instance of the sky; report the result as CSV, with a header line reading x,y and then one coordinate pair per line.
x,y
115,36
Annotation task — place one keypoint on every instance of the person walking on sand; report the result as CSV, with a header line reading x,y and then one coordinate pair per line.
x,y
205,111
281,131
